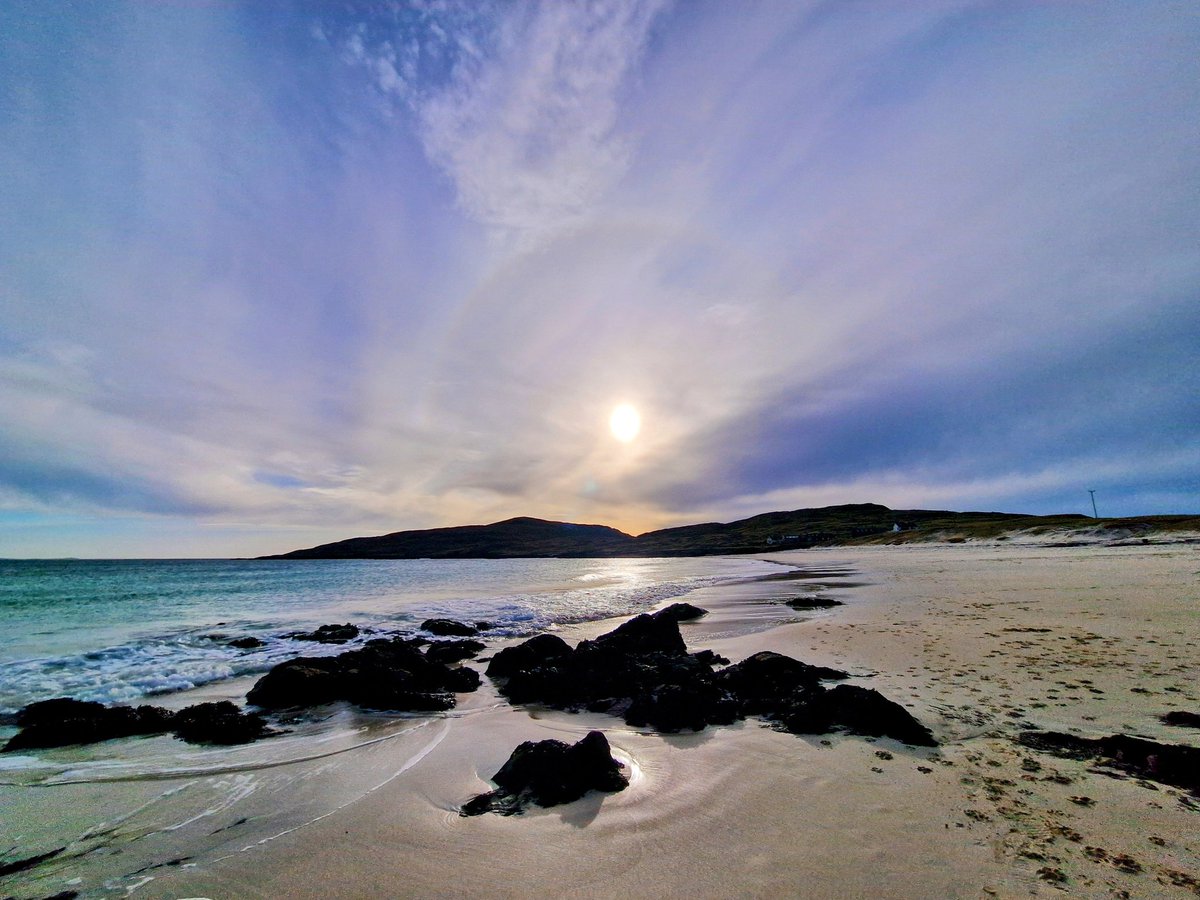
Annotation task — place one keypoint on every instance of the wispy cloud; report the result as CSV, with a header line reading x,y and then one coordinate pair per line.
x,y
347,270
520,110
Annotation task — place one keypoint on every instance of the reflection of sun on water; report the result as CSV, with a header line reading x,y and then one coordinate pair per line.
x,y
625,423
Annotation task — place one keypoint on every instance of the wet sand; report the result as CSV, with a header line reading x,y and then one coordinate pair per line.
x,y
979,642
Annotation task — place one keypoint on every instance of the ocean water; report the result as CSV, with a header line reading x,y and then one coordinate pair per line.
x,y
119,631
109,819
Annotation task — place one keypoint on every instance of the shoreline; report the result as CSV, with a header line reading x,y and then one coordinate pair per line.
x,y
965,637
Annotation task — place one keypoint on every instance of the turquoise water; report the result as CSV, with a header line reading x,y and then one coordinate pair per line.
x,y
123,630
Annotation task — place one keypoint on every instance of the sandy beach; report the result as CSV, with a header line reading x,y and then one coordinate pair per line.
x,y
979,642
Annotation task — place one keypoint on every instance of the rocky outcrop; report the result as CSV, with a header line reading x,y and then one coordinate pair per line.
x,y
643,672
385,674
861,710
814,601
1182,719
446,652
328,634
217,723
245,643
448,628
656,633
676,707
540,650
548,773
65,721
298,682
767,682
682,612
1175,764
640,669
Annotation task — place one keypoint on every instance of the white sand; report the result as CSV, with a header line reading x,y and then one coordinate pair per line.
x,y
747,811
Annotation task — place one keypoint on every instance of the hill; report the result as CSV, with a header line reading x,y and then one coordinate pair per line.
x,y
520,537
850,524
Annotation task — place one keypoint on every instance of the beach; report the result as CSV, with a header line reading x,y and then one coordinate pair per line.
x,y
979,642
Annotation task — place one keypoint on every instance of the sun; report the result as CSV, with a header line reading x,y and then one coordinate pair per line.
x,y
625,423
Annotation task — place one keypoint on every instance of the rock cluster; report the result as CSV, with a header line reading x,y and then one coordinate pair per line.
x,y
453,651
548,773
328,634
642,672
64,721
813,601
449,628
217,723
1182,719
386,673
390,674
1175,764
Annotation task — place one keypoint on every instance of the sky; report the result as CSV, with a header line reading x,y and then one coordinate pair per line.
x,y
275,274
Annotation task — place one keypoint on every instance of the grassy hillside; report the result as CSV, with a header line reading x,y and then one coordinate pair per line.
x,y
521,537
847,525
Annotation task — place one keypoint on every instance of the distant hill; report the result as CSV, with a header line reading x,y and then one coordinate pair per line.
x,y
512,538
859,523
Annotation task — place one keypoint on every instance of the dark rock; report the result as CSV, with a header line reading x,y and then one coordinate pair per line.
x,y
448,628
405,680
536,651
397,641
642,672
299,682
1066,746
246,643
64,721
804,712
396,696
813,602
548,773
50,712
765,681
1175,764
484,626
542,684
447,652
328,634
681,612
674,707
218,723
461,680
642,635
865,711
1182,719
385,674
637,671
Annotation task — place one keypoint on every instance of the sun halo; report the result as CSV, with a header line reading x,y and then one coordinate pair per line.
x,y
625,423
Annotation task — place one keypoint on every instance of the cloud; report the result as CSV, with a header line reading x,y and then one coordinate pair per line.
x,y
1000,420
368,268
525,119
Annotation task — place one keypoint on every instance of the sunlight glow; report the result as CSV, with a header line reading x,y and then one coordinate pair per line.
x,y
625,423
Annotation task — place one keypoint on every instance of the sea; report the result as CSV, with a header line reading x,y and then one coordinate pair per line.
x,y
110,819
123,631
